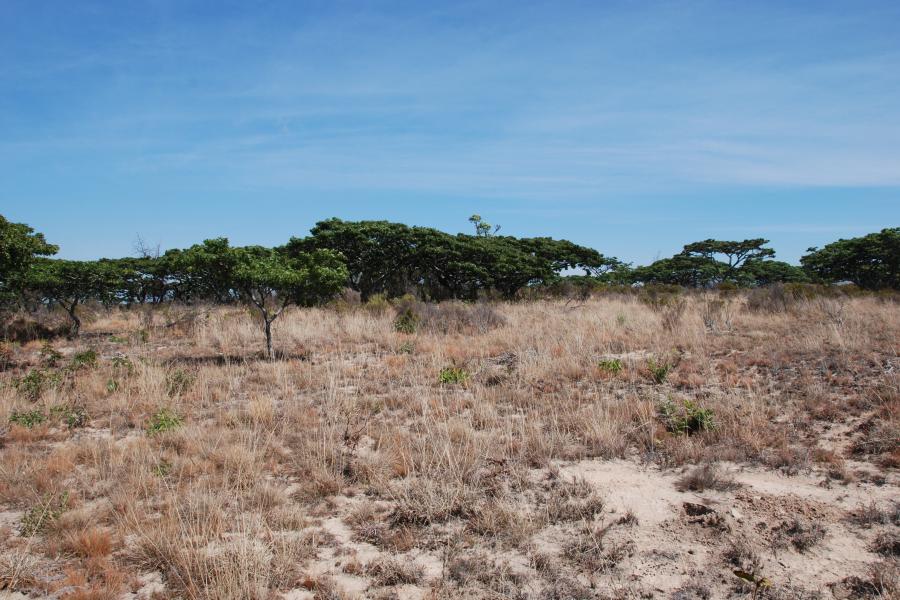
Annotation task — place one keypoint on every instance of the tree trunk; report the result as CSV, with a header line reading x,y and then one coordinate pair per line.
x,y
76,322
270,353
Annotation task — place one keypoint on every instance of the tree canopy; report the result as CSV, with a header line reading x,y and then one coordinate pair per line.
x,y
394,259
871,261
20,245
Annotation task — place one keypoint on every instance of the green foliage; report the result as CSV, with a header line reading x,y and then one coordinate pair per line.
x,y
658,371
50,357
392,258
482,227
19,247
72,416
871,261
163,420
42,515
178,382
407,321
736,253
86,359
406,348
613,366
123,365
453,375
70,283
682,270
27,418
36,382
686,419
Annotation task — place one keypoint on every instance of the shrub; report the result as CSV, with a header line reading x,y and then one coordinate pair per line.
x,y
612,366
163,420
84,360
687,419
50,357
35,382
178,382
377,304
38,517
453,375
28,418
445,318
704,478
658,371
407,321
123,364
72,416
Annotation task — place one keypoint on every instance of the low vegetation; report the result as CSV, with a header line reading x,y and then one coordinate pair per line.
x,y
551,437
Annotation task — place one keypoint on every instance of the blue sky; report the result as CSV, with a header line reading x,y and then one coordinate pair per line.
x,y
632,127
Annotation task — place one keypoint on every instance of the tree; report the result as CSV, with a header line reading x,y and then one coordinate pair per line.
x,y
871,261
70,283
393,259
681,269
271,281
267,280
482,227
736,253
766,272
20,245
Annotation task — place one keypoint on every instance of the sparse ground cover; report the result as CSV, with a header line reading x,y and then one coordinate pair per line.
x,y
698,446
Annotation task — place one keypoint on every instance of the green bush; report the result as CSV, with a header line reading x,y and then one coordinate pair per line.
x,y
84,360
178,382
163,420
50,357
658,371
687,419
407,321
36,382
123,364
72,416
453,375
27,418
38,517
612,366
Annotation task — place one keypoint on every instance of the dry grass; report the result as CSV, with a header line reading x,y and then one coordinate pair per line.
x,y
180,453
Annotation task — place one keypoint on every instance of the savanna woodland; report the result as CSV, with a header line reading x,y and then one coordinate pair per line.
x,y
378,410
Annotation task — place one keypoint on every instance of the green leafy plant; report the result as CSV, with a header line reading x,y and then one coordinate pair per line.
x,y
658,371
27,418
36,382
406,348
38,517
123,364
613,366
686,419
84,360
163,420
50,356
72,416
178,382
112,386
407,321
453,375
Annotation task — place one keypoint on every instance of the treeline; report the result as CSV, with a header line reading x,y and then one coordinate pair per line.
x,y
392,259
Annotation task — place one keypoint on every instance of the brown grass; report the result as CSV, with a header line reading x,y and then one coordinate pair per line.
x,y
351,451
